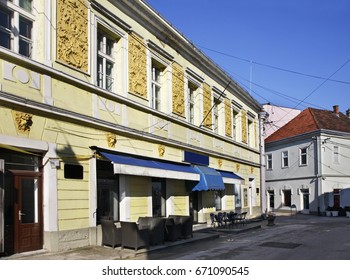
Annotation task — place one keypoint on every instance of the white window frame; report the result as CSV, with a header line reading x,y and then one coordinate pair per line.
x,y
301,154
156,84
234,123
191,92
193,81
285,155
269,163
216,105
16,14
106,57
336,154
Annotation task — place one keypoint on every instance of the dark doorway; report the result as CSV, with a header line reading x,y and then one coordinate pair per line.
x,y
193,201
287,195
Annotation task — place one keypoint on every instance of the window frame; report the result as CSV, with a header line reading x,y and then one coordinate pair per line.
x,y
301,155
285,156
156,84
106,57
216,120
235,114
191,92
18,39
269,163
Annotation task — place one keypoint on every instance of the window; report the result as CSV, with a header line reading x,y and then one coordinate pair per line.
x,y
216,115
190,103
250,132
285,159
237,190
245,197
158,197
157,71
25,4
269,162
234,124
336,154
105,61
16,28
217,198
303,156
107,192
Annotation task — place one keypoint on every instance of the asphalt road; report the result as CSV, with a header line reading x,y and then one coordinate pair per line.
x,y
298,237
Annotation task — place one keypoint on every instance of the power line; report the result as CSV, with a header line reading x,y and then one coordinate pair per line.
x,y
314,90
275,67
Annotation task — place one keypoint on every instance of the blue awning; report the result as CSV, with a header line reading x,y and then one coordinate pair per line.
x,y
210,179
230,177
149,167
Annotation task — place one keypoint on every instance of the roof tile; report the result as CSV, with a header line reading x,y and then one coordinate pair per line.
x,y
311,120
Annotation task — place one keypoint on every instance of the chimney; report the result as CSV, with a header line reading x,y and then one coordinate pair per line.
x,y
336,110
348,113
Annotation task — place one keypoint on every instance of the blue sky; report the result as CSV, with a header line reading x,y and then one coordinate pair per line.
x,y
297,52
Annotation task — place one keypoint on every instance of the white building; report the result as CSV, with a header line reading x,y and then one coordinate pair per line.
x,y
307,161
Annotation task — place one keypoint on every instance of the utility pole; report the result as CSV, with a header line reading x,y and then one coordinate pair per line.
x,y
263,199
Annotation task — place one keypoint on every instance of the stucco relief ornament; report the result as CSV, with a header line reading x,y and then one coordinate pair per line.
x,y
161,150
238,167
111,140
23,121
220,163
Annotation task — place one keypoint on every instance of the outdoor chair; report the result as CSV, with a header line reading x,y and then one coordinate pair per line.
x,y
111,235
241,218
186,223
133,236
231,218
156,228
219,219
213,220
173,231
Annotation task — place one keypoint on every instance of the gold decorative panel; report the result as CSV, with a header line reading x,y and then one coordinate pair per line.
x,y
228,118
207,105
23,121
244,127
137,66
72,33
178,90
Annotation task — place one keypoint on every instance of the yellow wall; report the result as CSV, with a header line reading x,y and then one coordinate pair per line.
x,y
139,192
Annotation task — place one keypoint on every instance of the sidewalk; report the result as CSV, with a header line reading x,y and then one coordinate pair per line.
x,y
200,233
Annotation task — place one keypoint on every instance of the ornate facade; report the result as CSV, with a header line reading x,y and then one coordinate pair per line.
x,y
100,116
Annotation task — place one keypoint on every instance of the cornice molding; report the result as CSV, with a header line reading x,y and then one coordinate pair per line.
x,y
43,109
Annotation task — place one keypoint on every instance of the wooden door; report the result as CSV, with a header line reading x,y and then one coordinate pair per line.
x,y
28,221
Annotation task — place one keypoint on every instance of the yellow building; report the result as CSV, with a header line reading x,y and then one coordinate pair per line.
x,y
108,111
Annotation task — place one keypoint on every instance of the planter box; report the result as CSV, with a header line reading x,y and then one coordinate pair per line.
x,y
328,213
335,213
348,214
